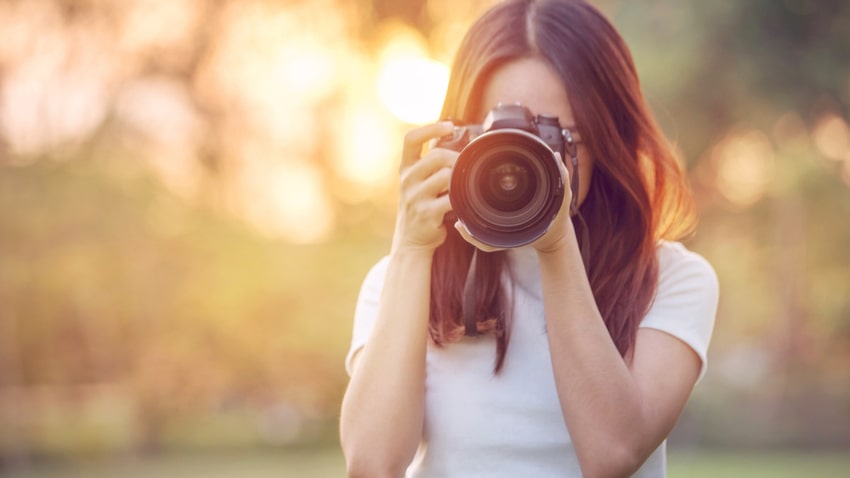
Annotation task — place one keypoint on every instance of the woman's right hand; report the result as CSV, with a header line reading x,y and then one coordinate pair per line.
x,y
424,183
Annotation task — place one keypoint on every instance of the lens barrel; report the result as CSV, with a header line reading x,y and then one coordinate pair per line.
x,y
506,187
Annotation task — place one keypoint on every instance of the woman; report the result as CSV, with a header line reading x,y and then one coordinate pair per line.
x,y
578,369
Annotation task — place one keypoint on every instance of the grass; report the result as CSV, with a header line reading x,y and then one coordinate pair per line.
x,y
327,462
776,464
286,463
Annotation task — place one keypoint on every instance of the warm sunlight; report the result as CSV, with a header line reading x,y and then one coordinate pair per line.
x,y
287,199
410,84
369,145
413,88
198,198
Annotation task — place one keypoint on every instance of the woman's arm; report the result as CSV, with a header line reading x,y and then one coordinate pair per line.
x,y
382,412
383,408
617,413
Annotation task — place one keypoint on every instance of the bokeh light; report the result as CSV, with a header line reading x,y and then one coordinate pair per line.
x,y
287,199
832,137
745,166
160,112
410,84
413,88
368,150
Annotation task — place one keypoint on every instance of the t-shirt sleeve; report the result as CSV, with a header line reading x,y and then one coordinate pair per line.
x,y
366,309
685,304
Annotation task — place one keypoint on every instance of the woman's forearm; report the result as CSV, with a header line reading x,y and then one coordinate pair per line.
x,y
383,409
600,400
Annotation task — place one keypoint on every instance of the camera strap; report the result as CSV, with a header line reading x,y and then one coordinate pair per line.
x,y
470,320
571,148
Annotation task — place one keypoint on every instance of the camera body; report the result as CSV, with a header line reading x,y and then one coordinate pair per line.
x,y
506,186
515,116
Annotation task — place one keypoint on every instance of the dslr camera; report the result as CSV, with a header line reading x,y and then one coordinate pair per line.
x,y
506,187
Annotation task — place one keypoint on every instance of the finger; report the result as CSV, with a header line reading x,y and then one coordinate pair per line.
x,y
432,162
566,173
437,183
442,206
415,139
428,165
467,236
429,210
563,167
434,211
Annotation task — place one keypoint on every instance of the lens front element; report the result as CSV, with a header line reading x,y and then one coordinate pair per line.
x,y
508,186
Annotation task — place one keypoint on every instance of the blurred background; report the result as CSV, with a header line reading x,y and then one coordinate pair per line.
x,y
191,192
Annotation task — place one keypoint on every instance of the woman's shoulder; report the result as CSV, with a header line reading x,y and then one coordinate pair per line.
x,y
684,276
677,262
685,303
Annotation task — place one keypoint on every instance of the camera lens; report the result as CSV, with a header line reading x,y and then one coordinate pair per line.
x,y
506,187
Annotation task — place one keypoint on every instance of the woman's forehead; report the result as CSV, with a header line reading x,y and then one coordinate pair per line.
x,y
530,82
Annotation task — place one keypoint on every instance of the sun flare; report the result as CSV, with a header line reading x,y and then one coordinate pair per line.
x,y
412,89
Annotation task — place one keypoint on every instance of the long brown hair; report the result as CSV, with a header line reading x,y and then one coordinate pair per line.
x,y
638,194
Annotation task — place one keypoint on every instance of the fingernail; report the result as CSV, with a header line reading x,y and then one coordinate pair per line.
x,y
460,227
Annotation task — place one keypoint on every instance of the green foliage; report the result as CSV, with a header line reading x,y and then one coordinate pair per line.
x,y
179,311
709,66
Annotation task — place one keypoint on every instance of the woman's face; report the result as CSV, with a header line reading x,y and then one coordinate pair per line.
x,y
532,83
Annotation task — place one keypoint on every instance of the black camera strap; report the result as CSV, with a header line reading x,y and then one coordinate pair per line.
x,y
571,148
470,320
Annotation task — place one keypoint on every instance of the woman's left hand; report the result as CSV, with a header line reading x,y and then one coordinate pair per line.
x,y
561,231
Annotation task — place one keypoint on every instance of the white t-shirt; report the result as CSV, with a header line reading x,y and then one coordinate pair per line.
x,y
479,424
